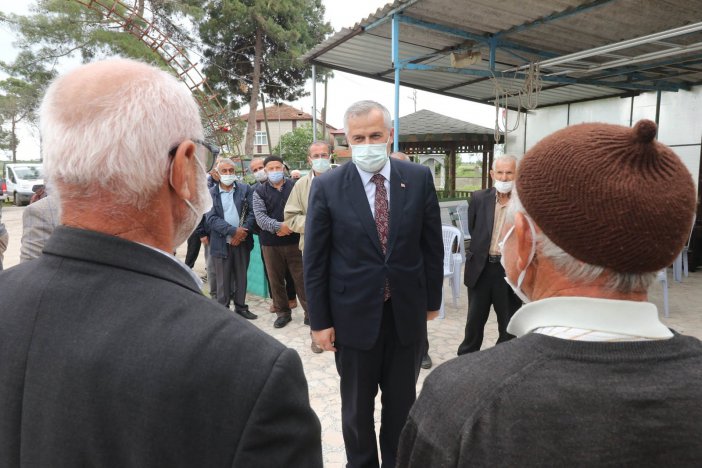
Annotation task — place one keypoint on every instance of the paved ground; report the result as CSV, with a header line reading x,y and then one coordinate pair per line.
x,y
444,337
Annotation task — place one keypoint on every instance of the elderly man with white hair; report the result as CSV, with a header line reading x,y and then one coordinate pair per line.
x,y
593,377
109,353
484,274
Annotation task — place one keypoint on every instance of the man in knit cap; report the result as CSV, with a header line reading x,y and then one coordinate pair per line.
x,y
593,377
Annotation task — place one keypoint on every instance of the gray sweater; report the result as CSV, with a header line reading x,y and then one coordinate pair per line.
x,y
543,401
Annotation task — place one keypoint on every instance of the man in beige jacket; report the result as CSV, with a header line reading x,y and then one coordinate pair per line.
x,y
296,207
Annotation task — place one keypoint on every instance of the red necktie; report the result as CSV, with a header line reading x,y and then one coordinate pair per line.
x,y
382,218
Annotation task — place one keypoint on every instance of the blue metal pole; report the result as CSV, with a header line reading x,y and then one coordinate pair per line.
x,y
397,65
314,103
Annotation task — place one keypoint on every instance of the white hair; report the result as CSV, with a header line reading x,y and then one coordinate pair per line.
x,y
361,108
505,157
109,126
576,270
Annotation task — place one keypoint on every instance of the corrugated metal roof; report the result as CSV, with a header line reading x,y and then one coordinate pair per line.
x,y
525,32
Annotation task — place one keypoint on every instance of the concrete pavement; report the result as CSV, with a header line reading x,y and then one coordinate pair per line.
x,y
444,336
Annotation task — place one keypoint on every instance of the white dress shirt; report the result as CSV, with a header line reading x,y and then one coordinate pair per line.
x,y
590,319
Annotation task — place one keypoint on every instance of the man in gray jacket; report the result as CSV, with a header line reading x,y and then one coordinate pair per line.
x,y
593,377
109,353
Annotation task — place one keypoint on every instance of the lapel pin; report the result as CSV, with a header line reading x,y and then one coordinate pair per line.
x,y
402,184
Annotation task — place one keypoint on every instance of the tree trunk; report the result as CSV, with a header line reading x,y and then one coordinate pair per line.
x,y
265,121
253,103
13,140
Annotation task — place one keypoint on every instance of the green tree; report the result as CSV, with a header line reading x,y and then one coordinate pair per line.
x,y
253,46
20,95
293,146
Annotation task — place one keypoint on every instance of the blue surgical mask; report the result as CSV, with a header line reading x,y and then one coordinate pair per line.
x,y
321,165
275,176
517,288
370,158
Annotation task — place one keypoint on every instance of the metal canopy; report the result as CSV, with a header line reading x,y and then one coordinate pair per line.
x,y
577,50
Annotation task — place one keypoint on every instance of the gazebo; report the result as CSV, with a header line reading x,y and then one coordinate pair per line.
x,y
426,133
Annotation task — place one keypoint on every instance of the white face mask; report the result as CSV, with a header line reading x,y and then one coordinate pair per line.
x,y
504,186
321,165
518,287
370,158
227,179
202,205
260,176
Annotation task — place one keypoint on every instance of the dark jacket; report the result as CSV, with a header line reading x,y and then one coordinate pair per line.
x,y
481,217
345,269
219,229
114,358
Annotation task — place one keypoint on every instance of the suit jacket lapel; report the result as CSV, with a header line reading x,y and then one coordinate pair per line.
x,y
397,204
353,188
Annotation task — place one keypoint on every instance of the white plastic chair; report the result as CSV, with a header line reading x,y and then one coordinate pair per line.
x,y
680,264
462,219
453,259
662,276
686,248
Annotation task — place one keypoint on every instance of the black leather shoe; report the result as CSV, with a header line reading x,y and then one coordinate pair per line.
x,y
426,362
281,321
247,314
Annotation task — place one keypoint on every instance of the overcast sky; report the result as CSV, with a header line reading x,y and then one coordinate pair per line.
x,y
344,89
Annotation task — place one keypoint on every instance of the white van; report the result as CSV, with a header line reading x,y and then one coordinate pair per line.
x,y
20,178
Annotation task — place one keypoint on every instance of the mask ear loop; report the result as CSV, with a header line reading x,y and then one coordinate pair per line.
x,y
170,181
532,253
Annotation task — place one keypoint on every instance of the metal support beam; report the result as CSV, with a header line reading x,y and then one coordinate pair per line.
x,y
629,43
493,50
398,66
314,103
553,79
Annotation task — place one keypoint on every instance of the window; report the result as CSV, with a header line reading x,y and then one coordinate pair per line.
x,y
261,138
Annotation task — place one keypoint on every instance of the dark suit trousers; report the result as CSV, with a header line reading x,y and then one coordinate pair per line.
x,y
395,369
193,249
490,289
230,275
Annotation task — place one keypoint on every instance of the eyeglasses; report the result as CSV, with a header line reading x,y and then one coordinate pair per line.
x,y
320,155
207,155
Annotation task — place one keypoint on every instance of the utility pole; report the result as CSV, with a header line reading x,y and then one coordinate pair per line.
x,y
413,97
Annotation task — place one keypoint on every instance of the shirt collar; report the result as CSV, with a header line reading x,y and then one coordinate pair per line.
x,y
191,273
632,318
366,176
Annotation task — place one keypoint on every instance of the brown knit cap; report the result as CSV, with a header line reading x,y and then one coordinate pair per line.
x,y
609,195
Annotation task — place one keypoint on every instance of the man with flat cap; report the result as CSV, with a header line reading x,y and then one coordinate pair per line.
x,y
593,377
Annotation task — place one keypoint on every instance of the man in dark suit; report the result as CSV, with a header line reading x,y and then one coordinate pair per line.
x,y
373,275
230,223
112,356
484,275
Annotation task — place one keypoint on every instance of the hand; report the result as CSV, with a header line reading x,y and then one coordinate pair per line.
x,y
241,234
205,240
284,230
325,338
432,314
